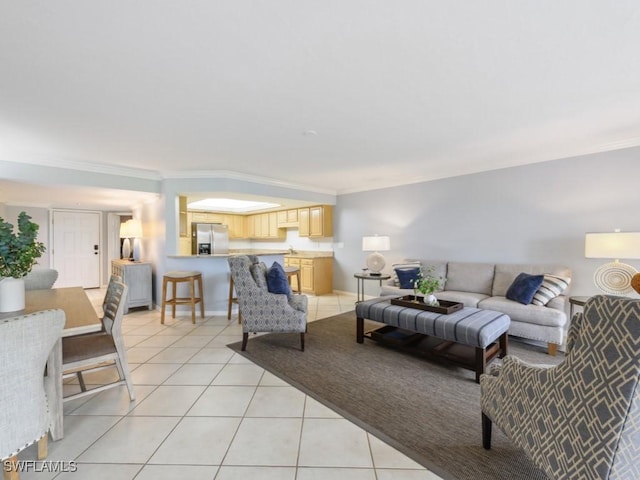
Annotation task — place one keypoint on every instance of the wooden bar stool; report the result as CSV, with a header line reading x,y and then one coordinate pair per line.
x,y
182,277
233,300
294,271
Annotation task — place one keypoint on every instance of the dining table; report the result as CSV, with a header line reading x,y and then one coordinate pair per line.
x,y
80,318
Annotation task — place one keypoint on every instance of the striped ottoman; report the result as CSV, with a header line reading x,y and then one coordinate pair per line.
x,y
484,330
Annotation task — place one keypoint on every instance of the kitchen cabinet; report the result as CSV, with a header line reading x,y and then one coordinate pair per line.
x,y
264,226
287,218
236,226
303,222
182,216
316,274
315,221
137,277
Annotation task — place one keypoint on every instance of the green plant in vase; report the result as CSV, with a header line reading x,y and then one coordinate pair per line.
x,y
427,284
19,252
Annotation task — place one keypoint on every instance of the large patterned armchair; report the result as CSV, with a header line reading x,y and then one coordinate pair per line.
x,y
581,418
261,310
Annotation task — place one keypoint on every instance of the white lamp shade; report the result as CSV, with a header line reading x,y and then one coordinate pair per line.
x,y
124,230
376,243
613,245
135,228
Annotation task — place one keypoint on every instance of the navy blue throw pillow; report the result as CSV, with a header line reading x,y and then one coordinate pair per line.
x,y
524,287
277,281
407,276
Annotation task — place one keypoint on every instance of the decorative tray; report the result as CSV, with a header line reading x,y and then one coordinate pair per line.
x,y
445,306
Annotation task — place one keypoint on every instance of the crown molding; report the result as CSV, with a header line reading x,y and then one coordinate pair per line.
x,y
227,174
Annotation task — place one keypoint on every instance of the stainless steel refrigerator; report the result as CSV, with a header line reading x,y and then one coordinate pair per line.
x,y
209,238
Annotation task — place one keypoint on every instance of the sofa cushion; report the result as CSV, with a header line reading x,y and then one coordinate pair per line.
x,y
524,287
277,281
551,287
407,276
469,277
535,314
507,272
469,299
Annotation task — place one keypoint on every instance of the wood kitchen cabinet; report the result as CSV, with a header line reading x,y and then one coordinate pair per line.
x,y
137,277
316,274
264,226
287,218
315,221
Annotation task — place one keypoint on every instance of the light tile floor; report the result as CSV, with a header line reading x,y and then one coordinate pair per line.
x,y
204,412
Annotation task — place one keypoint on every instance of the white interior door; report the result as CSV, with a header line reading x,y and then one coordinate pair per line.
x,y
76,248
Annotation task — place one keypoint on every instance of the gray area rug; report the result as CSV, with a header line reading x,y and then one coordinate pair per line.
x,y
428,411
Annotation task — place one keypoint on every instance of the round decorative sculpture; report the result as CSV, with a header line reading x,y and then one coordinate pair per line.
x,y
614,278
635,282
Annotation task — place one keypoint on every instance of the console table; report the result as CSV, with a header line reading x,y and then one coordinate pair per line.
x,y
136,276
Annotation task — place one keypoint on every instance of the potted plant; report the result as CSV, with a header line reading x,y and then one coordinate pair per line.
x,y
427,284
18,254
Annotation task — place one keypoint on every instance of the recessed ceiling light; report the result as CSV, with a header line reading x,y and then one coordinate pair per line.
x,y
309,133
230,205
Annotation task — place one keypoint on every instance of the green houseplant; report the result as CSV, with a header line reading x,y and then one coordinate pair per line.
x,y
427,284
19,252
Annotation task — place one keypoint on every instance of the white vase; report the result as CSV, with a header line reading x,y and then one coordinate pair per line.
x,y
430,299
11,294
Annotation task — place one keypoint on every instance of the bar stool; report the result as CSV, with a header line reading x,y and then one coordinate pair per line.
x,y
291,271
174,278
232,300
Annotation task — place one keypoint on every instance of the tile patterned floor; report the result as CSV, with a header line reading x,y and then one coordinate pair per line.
x,y
204,412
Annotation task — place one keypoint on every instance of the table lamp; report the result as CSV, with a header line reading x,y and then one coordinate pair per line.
x,y
126,245
131,229
614,277
135,230
375,244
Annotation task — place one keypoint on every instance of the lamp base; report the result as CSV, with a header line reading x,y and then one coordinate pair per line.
x,y
375,262
614,278
126,249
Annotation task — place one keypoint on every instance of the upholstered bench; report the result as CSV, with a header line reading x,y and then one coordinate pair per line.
x,y
484,330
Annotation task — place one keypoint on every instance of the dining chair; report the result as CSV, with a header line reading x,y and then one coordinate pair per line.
x,y
89,352
40,279
27,341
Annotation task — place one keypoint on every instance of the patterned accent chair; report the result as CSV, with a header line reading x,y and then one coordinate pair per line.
x,y
27,341
261,310
581,418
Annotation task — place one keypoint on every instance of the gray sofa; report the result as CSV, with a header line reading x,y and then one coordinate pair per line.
x,y
484,285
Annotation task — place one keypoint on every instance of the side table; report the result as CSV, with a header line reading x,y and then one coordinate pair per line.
x,y
368,276
136,276
576,302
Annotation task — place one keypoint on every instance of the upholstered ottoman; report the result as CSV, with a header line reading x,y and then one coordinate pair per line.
x,y
483,330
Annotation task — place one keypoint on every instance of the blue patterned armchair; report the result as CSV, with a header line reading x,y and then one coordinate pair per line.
x,y
581,418
261,310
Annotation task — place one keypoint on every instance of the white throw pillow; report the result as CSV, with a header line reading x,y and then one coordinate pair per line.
x,y
552,286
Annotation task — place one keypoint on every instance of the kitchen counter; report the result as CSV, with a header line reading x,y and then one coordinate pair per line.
x,y
234,253
215,275
308,254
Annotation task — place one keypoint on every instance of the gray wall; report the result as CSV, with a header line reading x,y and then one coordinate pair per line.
x,y
535,213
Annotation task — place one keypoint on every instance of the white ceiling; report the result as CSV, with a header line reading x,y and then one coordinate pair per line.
x,y
339,96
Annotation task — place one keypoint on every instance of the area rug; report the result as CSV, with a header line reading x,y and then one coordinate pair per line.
x,y
428,411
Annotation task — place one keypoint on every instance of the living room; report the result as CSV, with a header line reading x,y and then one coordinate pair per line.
x,y
505,139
